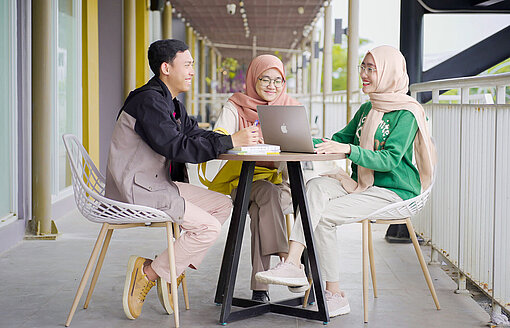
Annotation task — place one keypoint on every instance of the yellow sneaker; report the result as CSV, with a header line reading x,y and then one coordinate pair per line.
x,y
136,287
164,295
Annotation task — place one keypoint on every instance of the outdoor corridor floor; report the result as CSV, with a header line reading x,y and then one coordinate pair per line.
x,y
38,281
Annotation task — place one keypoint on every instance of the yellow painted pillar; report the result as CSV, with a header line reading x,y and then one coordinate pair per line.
x,y
90,78
129,47
41,116
142,42
202,77
167,21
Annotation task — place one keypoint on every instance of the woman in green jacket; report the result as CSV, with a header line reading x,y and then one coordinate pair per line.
x,y
379,141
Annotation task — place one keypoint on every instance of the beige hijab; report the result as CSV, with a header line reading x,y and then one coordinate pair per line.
x,y
390,95
246,103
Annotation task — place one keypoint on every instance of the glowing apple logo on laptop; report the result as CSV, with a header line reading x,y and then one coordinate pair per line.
x,y
283,128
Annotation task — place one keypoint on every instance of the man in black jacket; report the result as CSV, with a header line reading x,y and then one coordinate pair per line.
x,y
152,140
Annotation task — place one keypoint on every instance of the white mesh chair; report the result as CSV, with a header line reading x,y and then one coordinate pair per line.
x,y
89,188
396,213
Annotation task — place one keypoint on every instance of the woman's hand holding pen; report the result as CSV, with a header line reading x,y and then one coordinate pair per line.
x,y
332,147
261,140
245,137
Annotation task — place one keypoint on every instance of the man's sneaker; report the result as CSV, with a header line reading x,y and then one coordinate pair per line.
x,y
260,296
136,287
164,296
337,304
283,273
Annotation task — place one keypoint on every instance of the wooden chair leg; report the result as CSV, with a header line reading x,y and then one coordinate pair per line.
x,y
288,224
365,224
371,257
423,265
98,267
185,291
177,233
307,293
86,274
173,275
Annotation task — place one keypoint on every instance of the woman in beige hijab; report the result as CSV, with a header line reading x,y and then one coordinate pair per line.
x,y
379,141
265,85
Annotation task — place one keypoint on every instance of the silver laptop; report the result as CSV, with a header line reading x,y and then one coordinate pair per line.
x,y
286,126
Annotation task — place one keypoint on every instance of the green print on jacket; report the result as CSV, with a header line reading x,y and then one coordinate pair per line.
x,y
393,155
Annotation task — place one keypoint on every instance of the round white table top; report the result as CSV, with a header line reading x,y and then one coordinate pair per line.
x,y
282,157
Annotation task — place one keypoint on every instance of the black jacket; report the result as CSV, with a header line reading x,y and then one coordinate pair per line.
x,y
162,122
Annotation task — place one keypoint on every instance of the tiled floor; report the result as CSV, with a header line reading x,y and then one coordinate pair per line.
x,y
38,281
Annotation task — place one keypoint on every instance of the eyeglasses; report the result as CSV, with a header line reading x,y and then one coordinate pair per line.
x,y
368,69
265,81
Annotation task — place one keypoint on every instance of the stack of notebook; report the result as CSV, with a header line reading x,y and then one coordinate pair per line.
x,y
261,149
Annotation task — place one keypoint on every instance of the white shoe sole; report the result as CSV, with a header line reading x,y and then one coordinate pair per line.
x,y
292,282
341,311
127,285
164,295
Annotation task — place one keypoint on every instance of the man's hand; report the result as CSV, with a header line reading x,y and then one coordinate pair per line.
x,y
332,147
246,137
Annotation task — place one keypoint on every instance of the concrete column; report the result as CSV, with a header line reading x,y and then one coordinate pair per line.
x,y
314,63
194,94
214,81
299,73
254,47
189,93
352,55
327,62
304,71
202,78
328,49
219,59
213,70
41,115
293,65
167,21
129,47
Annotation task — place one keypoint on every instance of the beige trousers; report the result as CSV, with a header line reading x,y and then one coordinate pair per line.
x,y
268,203
330,206
205,212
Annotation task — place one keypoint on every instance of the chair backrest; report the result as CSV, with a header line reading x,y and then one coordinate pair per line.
x,y
89,189
404,209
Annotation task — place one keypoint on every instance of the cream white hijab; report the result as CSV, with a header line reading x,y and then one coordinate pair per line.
x,y
390,95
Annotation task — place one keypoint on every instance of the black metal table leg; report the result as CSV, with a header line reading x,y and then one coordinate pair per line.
x,y
297,186
230,262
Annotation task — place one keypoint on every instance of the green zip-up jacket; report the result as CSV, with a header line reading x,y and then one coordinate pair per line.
x,y
392,158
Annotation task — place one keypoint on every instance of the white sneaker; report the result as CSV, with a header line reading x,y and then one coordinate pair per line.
x,y
284,273
337,304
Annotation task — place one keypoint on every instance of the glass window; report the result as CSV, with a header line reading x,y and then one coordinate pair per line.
x,y
7,108
68,89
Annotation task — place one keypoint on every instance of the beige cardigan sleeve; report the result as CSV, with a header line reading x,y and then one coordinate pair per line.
x,y
228,119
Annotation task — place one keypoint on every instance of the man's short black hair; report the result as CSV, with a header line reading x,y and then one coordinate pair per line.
x,y
164,51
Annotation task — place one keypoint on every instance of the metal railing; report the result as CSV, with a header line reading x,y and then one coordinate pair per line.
x,y
467,219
